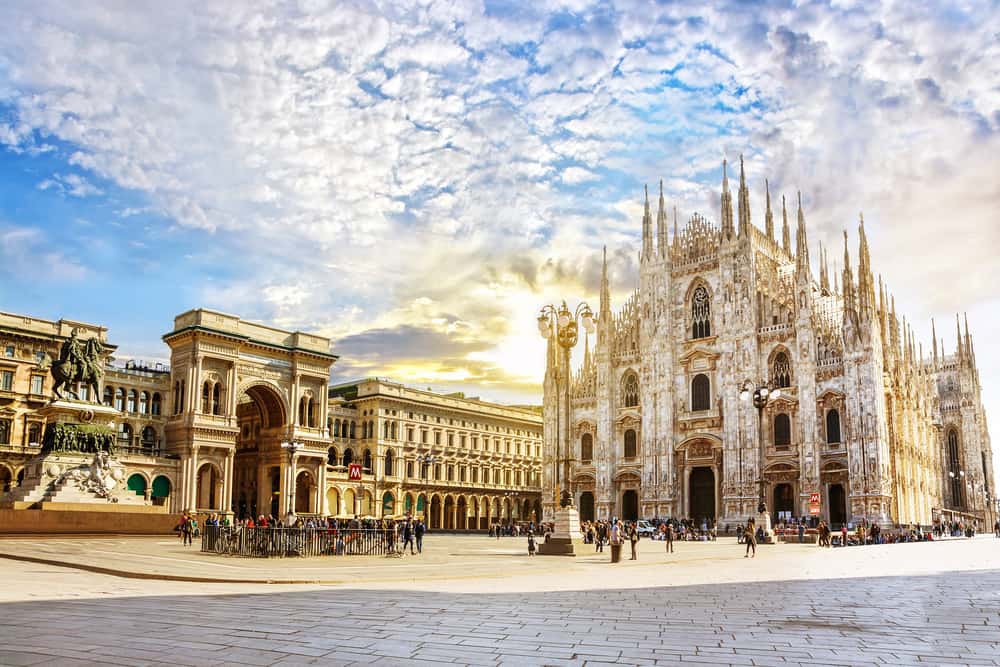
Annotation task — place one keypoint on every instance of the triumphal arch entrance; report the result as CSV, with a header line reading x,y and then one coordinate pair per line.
x,y
249,415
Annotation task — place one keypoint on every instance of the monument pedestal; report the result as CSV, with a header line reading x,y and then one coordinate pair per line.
x,y
76,465
565,534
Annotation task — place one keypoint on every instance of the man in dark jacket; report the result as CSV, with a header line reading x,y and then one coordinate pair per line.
x,y
408,535
418,532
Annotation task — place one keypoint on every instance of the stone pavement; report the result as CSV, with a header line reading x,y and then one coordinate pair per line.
x,y
894,604
937,619
471,563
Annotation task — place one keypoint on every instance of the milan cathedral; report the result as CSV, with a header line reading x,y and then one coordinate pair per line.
x,y
880,429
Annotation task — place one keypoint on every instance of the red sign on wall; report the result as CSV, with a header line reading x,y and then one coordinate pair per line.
x,y
814,499
354,472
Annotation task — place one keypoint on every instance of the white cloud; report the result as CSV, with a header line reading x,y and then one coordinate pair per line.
x,y
359,157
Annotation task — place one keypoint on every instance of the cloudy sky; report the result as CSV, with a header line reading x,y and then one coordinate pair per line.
x,y
416,179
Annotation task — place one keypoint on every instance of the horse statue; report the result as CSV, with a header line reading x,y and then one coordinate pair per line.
x,y
79,361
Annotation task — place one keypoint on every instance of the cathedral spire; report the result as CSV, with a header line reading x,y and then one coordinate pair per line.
x,y
849,304
605,314
744,204
586,350
661,226
968,338
958,337
882,313
727,204
647,229
768,216
802,249
934,341
866,287
824,279
786,235
675,226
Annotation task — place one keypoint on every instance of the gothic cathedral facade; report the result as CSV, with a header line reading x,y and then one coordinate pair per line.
x,y
654,418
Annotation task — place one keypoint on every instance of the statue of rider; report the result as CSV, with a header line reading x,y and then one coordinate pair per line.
x,y
72,352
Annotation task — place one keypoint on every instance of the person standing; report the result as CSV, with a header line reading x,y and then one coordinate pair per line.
x,y
750,539
802,532
633,538
418,533
531,543
668,536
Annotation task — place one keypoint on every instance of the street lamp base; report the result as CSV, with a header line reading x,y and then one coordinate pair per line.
x,y
565,535
764,521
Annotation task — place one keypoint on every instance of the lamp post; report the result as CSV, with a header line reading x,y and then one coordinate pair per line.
x,y
292,448
761,393
565,324
960,475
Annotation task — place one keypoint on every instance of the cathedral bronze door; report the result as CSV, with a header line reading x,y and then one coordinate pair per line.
x,y
838,506
586,506
702,493
784,501
630,505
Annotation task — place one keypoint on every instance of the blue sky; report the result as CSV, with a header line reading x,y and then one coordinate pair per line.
x,y
416,179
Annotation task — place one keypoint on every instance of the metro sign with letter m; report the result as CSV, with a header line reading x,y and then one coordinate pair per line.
x,y
354,472
814,499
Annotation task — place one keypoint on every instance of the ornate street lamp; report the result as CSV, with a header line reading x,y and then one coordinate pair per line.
x,y
761,393
565,324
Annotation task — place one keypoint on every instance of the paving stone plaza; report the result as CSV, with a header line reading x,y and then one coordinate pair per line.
x,y
480,601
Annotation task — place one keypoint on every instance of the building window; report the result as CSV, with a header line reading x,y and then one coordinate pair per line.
x,y
156,405
348,457
5,429
782,430
120,399
451,439
331,456
701,313
833,427
148,438
131,400
451,473
475,475
587,448
409,435
125,435
108,396
630,390
7,380
631,445
437,437
701,395
37,384
144,403
389,467
35,434
781,373
8,351
367,461
409,468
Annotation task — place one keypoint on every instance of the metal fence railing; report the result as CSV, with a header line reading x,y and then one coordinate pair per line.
x,y
287,542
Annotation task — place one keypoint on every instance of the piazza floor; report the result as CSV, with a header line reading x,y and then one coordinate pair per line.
x,y
478,601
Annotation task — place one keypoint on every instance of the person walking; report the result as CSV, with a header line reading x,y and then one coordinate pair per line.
x,y
188,530
418,533
408,536
750,539
996,528
633,538
602,533
802,532
668,537
531,543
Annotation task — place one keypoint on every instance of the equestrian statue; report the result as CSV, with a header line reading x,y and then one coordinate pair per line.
x,y
79,361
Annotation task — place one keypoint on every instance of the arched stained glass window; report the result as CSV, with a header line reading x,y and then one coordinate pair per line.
x,y
701,313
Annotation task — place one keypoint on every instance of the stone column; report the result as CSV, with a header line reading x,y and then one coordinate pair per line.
x,y
193,488
227,483
296,382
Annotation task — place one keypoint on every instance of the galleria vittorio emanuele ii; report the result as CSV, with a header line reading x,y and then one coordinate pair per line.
x,y
662,417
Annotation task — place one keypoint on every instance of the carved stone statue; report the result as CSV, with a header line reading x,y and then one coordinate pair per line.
x,y
79,361
99,478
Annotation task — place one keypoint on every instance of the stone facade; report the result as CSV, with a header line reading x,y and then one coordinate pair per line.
x,y
657,424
